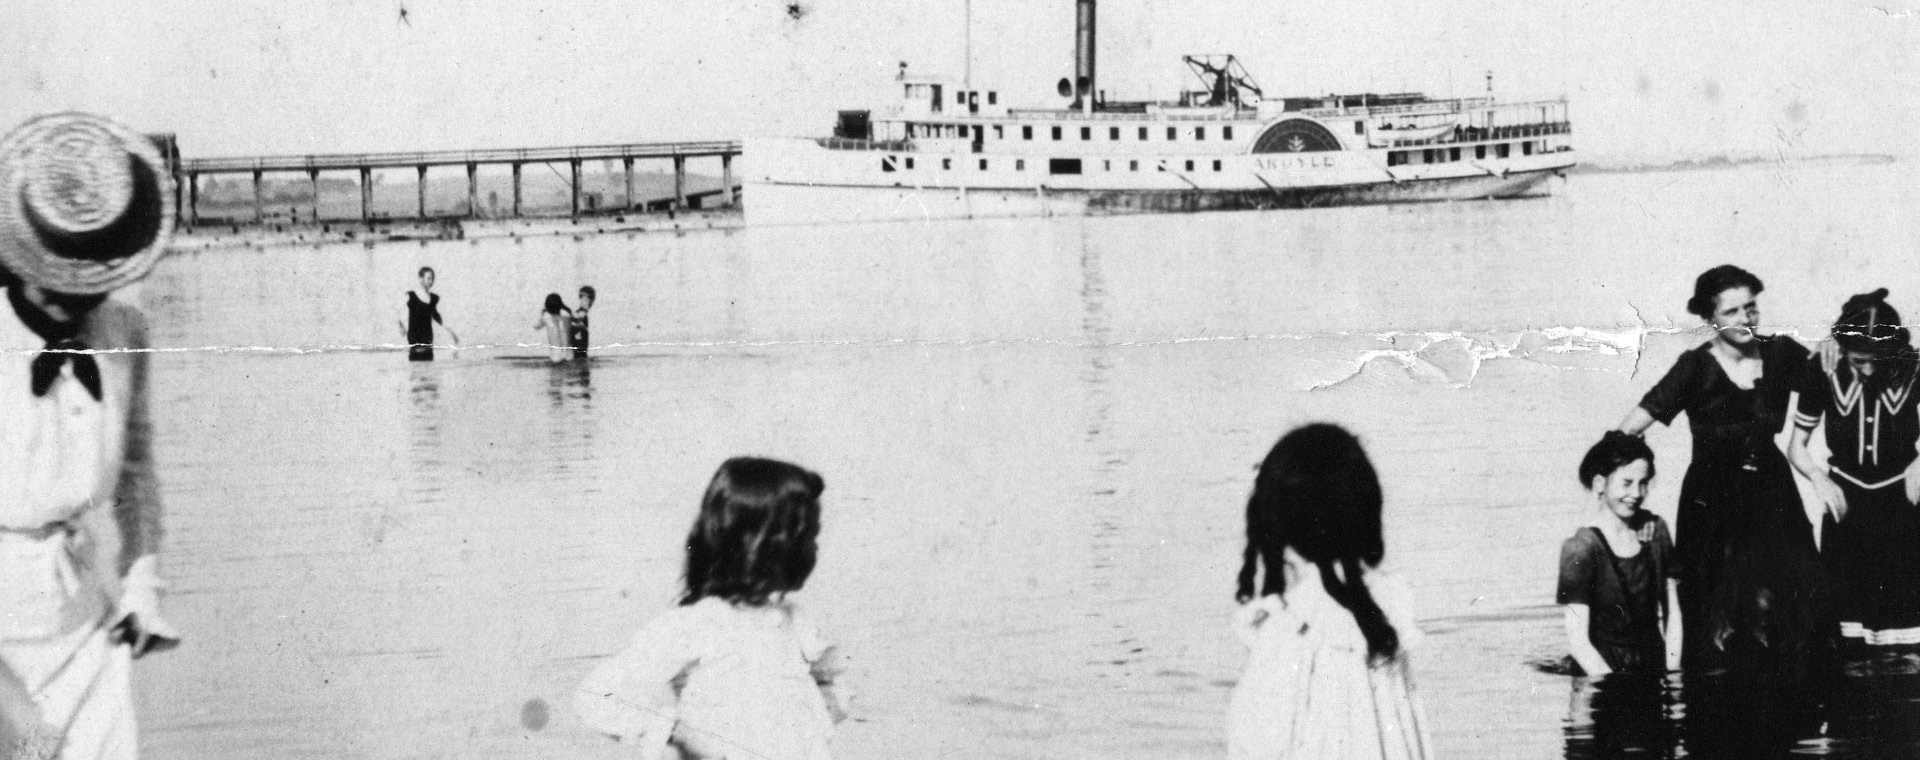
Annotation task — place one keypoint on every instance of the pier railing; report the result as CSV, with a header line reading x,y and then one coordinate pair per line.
x,y
188,171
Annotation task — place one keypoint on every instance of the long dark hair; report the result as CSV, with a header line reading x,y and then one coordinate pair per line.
x,y
554,305
756,533
1317,493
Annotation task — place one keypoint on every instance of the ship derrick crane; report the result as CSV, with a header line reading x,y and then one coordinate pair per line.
x,y
1223,81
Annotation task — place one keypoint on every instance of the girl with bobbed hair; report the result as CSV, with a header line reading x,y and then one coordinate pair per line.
x,y
1616,572
1865,400
733,671
1734,389
1327,675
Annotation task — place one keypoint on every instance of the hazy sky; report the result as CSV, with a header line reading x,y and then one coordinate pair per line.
x,y
1649,78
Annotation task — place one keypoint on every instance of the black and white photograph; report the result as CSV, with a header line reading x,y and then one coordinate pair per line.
x,y
809,379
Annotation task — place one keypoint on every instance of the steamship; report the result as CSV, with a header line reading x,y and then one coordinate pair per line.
x,y
947,151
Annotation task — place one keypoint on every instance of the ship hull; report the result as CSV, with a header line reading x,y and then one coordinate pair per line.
x,y
775,203
798,182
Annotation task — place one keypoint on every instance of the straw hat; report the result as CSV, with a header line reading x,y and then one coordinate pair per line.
x,y
84,204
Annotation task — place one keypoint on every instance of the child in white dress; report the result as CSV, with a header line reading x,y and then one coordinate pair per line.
x,y
1327,676
734,671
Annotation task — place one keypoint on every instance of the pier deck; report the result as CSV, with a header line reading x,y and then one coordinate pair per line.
x,y
188,171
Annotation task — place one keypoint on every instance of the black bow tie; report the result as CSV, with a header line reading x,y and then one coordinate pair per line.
x,y
46,367
62,346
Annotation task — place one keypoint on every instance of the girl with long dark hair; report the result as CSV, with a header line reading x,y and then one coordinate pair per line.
x,y
1327,675
555,319
734,671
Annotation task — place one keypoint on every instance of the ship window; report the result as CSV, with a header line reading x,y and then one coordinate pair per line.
x,y
959,96
983,164
1216,164
1086,133
1189,166
1359,127
993,97
1019,164
1453,154
1106,166
1500,151
1133,166
1396,158
1172,134
1226,133
946,163
1526,148
1479,151
1199,133
1063,166
1143,133
999,132
1113,133
886,163
1426,156
1056,133
909,162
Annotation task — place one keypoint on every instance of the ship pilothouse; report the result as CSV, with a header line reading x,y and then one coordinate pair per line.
x,y
944,149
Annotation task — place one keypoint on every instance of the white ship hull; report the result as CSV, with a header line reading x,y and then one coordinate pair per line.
x,y
800,181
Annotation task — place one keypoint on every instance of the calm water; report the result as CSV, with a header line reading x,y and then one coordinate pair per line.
x,y
1037,436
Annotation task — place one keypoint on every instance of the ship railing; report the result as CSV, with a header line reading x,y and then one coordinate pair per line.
x,y
1434,106
1479,134
456,157
850,143
1130,116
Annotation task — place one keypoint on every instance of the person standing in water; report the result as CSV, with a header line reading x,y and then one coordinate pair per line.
x,y
555,319
1739,508
423,311
1617,579
577,328
1866,403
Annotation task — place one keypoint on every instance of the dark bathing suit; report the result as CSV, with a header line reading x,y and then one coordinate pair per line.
x,y
420,319
1871,426
577,333
1739,507
1624,595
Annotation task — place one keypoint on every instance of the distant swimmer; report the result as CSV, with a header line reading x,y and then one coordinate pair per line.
x,y
577,330
555,319
423,310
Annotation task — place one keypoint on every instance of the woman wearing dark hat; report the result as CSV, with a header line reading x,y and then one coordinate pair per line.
x,y
1738,494
1866,402
83,211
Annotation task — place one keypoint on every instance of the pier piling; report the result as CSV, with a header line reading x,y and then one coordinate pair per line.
x,y
313,178
259,207
626,163
366,195
575,166
473,190
421,187
516,189
193,199
726,180
680,182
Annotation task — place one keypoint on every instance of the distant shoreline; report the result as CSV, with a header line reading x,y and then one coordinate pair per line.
x,y
1720,163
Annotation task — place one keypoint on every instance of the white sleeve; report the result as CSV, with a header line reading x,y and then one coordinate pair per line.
x,y
631,696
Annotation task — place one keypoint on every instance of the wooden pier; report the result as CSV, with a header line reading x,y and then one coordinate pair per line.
x,y
188,171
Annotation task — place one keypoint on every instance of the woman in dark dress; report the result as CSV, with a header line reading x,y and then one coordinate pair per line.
x,y
1739,509
423,310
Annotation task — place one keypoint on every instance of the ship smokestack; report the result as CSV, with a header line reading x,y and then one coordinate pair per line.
x,y
1083,77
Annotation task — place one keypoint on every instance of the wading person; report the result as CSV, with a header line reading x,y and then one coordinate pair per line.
x,y
423,312
84,211
1616,572
1327,675
555,319
1866,404
577,329
735,671
1738,497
